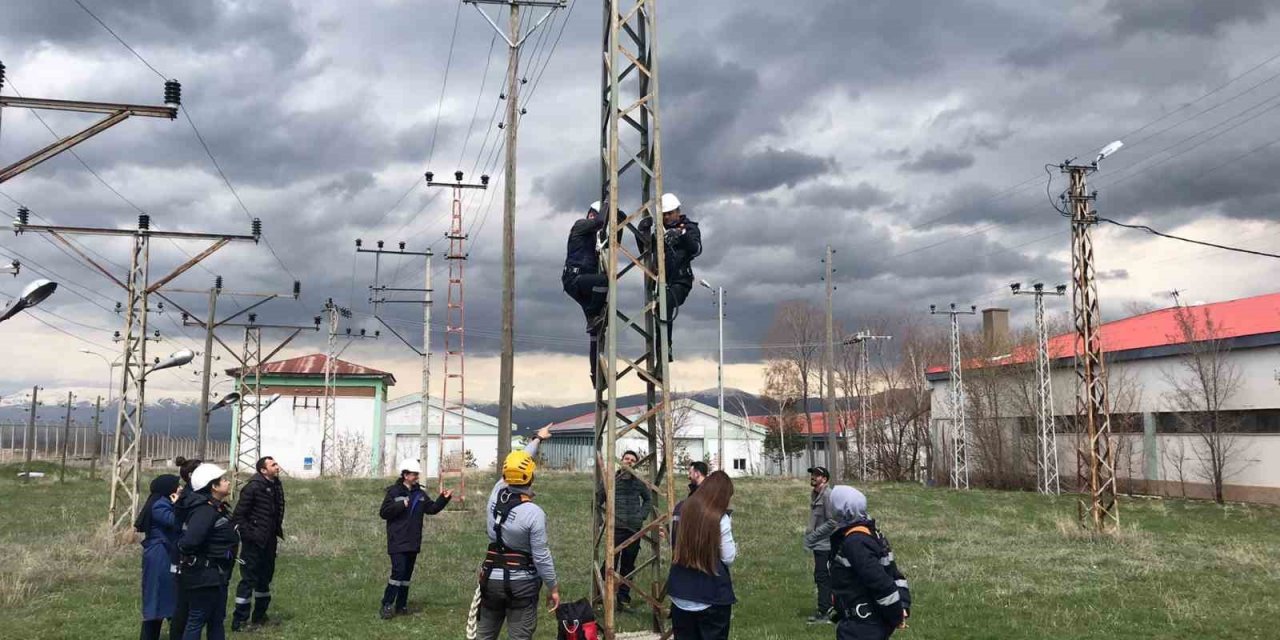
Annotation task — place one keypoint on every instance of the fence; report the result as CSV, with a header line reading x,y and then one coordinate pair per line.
x,y
46,444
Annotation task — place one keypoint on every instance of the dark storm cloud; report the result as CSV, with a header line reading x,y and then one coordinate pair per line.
x,y
1184,17
939,161
783,130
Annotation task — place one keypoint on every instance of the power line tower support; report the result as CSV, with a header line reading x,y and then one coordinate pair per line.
x,y
829,357
452,461
1047,480
116,113
629,121
864,396
127,464
329,408
1095,465
515,39
959,429
377,297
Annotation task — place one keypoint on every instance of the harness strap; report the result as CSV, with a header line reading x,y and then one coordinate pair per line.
x,y
502,509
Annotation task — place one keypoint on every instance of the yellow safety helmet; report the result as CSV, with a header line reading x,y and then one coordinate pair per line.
x,y
518,468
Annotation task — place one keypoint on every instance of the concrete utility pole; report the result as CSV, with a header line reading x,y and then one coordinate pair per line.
x,y
96,451
66,433
1095,465
130,417
515,39
864,395
1046,435
377,297
210,325
719,302
28,439
959,431
833,460
452,450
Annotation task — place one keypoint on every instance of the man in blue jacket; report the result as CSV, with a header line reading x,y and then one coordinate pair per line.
x,y
404,507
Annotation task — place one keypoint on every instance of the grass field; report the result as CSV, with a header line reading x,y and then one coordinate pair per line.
x,y
981,564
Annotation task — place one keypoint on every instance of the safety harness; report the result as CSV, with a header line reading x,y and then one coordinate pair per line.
x,y
499,555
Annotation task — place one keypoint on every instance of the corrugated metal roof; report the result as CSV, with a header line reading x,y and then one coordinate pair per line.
x,y
1234,319
314,364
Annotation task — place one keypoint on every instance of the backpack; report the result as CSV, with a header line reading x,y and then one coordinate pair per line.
x,y
576,621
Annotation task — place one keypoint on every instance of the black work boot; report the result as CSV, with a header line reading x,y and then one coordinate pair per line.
x,y
402,600
240,617
260,610
387,612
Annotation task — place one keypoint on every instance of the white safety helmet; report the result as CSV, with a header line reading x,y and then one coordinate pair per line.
x,y
205,474
411,465
595,206
670,202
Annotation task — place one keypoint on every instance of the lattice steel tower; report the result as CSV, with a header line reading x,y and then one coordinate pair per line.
x,y
633,339
1095,462
452,461
1047,481
959,428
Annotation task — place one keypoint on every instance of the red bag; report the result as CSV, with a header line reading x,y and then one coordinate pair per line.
x,y
576,621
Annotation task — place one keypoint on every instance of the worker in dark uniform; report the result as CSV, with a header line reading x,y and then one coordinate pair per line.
x,y
683,244
260,517
872,598
582,278
404,507
187,500
207,550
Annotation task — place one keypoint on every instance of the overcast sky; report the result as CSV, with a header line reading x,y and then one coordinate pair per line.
x,y
910,135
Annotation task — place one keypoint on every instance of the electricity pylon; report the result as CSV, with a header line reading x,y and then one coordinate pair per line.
x,y
959,430
861,339
1095,464
1047,481
125,476
329,408
629,124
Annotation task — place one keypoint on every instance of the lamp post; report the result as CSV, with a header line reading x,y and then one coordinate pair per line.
x,y
719,293
111,370
32,295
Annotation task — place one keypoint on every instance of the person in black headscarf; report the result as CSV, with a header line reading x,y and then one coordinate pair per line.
x,y
160,528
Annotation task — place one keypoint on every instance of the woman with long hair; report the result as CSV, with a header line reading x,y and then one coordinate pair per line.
x,y
700,586
160,529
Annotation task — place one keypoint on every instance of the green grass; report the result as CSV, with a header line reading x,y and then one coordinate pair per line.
x,y
982,564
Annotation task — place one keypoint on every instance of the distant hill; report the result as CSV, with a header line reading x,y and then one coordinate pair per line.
x,y
532,417
164,415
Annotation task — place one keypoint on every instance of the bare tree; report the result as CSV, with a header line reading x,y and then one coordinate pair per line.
x,y
797,336
351,454
781,395
1202,383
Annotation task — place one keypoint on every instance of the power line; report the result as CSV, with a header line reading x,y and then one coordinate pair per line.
x,y
1143,227
121,40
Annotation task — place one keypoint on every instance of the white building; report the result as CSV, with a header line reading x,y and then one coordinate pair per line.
x,y
696,426
404,429
291,426
1146,359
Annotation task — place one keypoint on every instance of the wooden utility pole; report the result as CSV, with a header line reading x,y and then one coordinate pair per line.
x,y
202,433
28,440
96,451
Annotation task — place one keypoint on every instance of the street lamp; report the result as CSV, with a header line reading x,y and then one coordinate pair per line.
x,y
719,293
32,295
226,400
14,268
175,359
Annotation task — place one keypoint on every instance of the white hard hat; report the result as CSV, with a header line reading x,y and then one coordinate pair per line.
x,y
411,465
204,474
595,206
670,202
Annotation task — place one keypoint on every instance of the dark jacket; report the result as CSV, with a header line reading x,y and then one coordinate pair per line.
x,y
580,252
404,509
260,511
208,545
186,502
865,579
631,502
684,243
696,586
159,560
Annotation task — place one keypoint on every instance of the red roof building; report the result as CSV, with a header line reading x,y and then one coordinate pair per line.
x,y
313,366
1249,321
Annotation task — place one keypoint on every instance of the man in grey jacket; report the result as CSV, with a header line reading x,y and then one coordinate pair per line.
x,y
631,504
817,540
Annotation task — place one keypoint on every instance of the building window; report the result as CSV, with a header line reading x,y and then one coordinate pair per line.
x,y
739,464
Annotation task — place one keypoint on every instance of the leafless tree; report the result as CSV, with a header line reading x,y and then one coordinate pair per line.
x,y
781,394
796,336
351,454
1202,384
